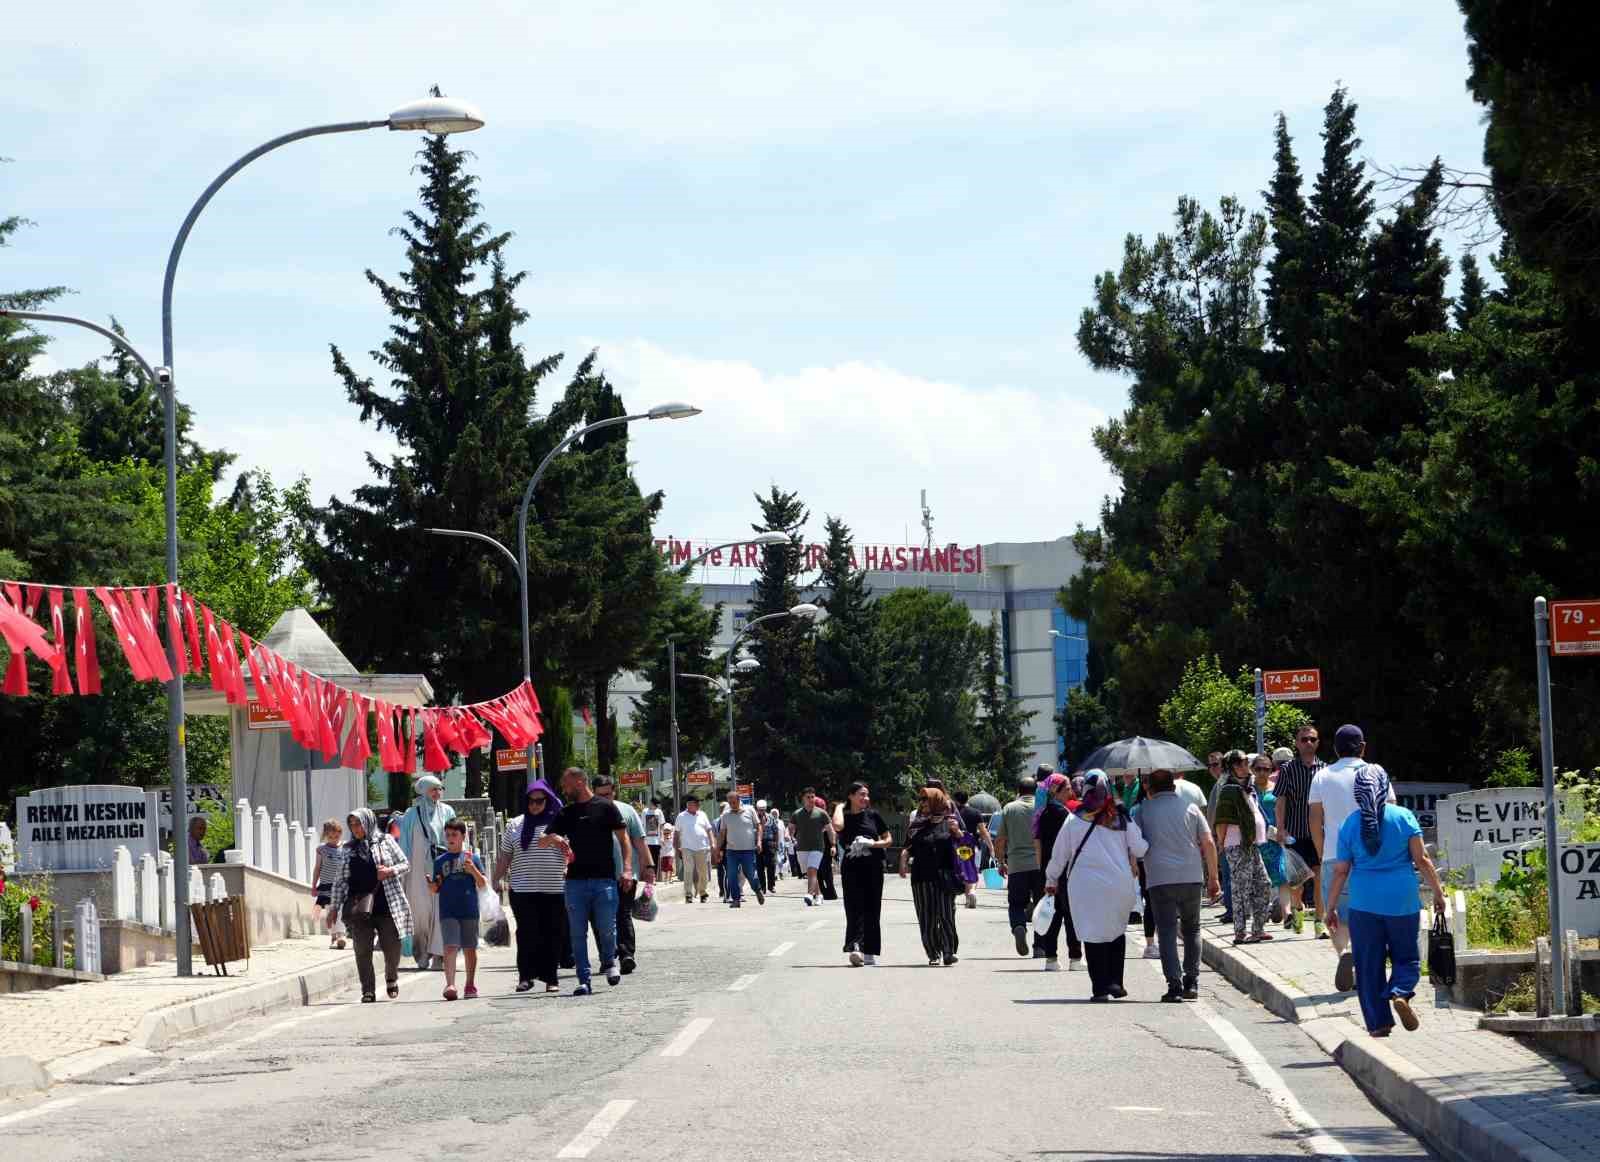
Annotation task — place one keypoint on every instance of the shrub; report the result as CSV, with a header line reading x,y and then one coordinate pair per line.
x,y
1210,711
15,898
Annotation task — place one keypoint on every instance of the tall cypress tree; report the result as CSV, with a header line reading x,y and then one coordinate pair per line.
x,y
700,722
846,696
1289,299
769,715
1002,726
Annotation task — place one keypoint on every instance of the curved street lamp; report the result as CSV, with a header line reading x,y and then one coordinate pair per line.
x,y
806,610
439,115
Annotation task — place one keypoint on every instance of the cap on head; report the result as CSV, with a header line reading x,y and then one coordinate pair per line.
x,y
1348,740
1044,771
1282,755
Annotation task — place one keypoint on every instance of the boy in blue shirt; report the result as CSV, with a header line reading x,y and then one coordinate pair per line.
x,y
456,880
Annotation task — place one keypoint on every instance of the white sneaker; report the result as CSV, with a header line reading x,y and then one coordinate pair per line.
x,y
869,960
1152,951
856,958
1052,965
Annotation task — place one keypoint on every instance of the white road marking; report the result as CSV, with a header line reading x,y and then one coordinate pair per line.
x,y
818,924
50,1107
599,1126
743,983
1136,1109
1321,1143
782,948
684,1040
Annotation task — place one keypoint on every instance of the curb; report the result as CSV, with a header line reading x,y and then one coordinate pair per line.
x,y
162,1027
1457,1127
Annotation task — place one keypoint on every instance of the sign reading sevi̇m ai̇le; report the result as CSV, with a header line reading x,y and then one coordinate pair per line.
x,y
1502,817
80,828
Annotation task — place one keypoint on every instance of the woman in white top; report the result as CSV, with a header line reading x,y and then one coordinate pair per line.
x,y
538,887
1098,850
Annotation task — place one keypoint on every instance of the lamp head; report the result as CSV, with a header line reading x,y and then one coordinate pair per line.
x,y
765,539
439,115
746,665
673,411
805,609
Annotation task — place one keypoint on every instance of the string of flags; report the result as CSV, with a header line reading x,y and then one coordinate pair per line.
x,y
323,716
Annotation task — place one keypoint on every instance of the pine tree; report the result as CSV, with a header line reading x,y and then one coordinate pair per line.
x,y
769,706
700,721
1002,726
1289,299
1473,292
1341,203
846,696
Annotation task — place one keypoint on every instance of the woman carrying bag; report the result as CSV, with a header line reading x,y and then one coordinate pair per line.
x,y
1098,851
930,857
863,835
369,896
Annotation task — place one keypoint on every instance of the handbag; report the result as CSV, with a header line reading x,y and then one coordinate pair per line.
x,y
1441,953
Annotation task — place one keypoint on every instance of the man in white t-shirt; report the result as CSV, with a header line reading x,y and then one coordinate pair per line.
x,y
1332,800
653,818
692,837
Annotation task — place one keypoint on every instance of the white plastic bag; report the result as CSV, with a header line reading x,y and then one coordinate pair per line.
x,y
490,910
1044,914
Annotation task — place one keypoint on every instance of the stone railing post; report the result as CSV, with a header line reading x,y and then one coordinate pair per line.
x,y
263,840
88,936
25,931
123,892
243,833
164,871
280,845
217,889
58,935
297,852
149,892
310,839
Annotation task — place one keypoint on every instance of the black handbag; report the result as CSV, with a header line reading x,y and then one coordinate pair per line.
x,y
1441,953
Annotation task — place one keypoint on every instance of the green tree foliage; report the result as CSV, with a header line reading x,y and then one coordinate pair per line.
x,y
700,715
844,699
931,651
770,719
559,740
1085,723
1532,67
1001,730
1210,711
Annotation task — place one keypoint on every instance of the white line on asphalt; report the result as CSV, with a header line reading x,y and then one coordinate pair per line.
x,y
1136,1109
1266,1078
49,1107
743,983
818,924
691,1033
599,1126
782,948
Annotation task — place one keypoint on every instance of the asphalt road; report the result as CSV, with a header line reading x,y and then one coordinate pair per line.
x,y
743,1035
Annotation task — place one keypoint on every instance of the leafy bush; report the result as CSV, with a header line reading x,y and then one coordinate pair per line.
x,y
1513,912
1210,711
1513,768
15,898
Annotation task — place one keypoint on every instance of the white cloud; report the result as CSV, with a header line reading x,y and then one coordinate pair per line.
x,y
859,441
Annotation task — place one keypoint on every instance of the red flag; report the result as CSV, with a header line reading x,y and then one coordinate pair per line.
x,y
16,680
142,605
409,751
434,759
258,676
23,633
58,626
86,659
388,756
197,658
175,630
588,719
356,747
473,733
230,658
214,662
122,624
327,734
446,723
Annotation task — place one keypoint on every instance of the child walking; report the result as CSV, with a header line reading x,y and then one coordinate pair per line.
x,y
322,873
457,878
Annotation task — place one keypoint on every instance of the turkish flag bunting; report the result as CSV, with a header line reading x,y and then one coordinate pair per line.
x,y
409,753
449,732
230,658
356,747
122,625
23,633
214,662
85,658
175,630
16,681
258,677
62,684
474,735
327,733
197,657
388,756
142,607
434,759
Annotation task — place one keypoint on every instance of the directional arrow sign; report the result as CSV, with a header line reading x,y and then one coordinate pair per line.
x,y
1292,685
1574,628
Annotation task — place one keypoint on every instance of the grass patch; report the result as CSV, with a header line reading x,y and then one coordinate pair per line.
x,y
1521,998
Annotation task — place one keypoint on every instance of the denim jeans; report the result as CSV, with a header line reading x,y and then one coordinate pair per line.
x,y
1177,906
1374,939
741,861
596,901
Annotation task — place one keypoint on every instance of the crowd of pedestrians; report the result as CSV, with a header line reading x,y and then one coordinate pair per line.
x,y
1082,857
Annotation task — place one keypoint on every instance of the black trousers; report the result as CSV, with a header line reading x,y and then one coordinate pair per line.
x,y
1050,942
627,943
365,928
936,917
767,864
1023,890
722,878
825,877
541,930
862,879
1105,965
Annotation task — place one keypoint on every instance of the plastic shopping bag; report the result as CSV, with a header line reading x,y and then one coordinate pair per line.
x,y
1044,914
645,907
1295,869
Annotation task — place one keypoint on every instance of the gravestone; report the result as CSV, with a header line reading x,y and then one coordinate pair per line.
x,y
1489,862
87,938
8,851
1502,817
1422,799
149,892
1580,888
165,871
199,793
243,831
197,884
25,929
124,892
80,828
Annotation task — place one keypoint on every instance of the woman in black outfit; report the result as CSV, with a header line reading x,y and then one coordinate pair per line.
x,y
863,835
1058,788
929,855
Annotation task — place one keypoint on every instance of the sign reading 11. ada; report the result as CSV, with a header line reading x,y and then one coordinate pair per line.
x,y
80,828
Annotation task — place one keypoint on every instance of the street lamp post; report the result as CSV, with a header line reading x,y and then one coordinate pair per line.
x,y
725,685
435,115
806,610
762,539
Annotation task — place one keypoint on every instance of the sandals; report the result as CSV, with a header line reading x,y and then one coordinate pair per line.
x,y
523,986
394,990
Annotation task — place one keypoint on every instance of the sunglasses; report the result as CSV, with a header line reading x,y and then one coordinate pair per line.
x,y
537,799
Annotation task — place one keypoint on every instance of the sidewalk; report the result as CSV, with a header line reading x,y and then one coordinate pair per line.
x,y
1472,1094
55,1034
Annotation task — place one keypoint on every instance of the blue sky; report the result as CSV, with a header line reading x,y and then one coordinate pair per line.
x,y
858,235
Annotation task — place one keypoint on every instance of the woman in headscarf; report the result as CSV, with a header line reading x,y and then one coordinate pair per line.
x,y
369,896
930,857
1241,829
1098,851
422,839
1047,826
538,885
1380,854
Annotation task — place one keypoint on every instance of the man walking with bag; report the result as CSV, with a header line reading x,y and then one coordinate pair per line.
x,y
1181,852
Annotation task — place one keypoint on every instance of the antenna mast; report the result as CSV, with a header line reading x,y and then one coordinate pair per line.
x,y
927,522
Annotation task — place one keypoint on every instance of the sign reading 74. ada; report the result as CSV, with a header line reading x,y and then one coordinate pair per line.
x,y
1292,685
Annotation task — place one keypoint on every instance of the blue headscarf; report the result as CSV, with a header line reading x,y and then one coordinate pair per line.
x,y
1372,795
530,821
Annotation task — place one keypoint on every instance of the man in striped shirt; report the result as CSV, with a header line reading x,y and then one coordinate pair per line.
x,y
1294,815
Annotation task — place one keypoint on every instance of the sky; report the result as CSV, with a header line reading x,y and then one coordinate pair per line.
x,y
858,235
